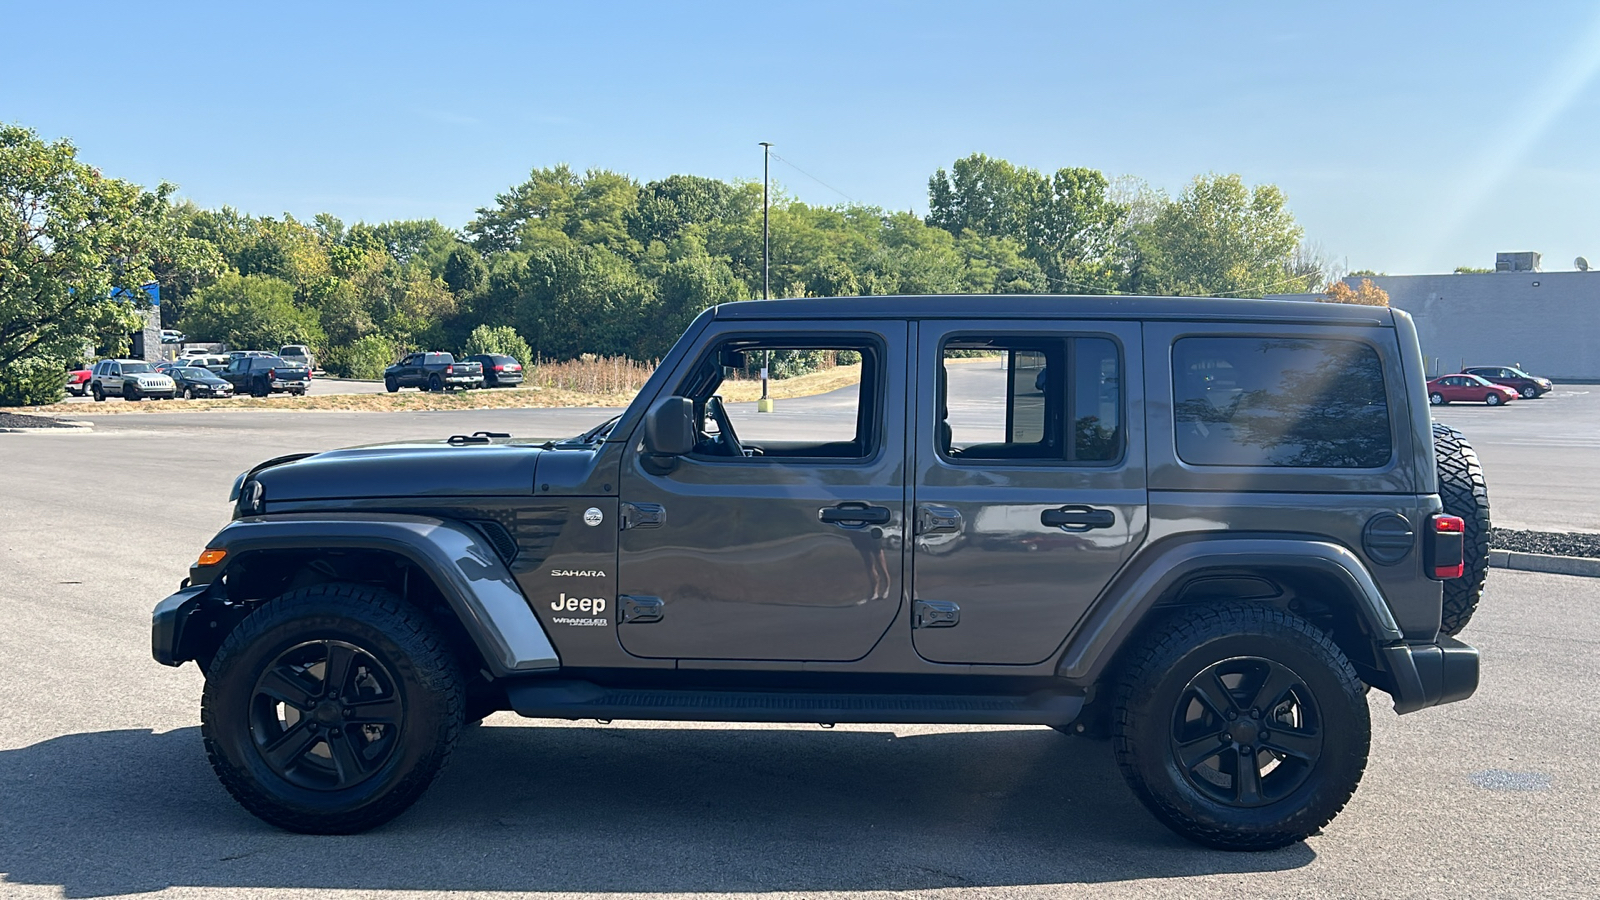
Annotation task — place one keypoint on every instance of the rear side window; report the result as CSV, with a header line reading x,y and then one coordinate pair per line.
x,y
1246,401
1039,398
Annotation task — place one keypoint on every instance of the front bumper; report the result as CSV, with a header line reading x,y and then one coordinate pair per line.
x,y
167,625
1431,674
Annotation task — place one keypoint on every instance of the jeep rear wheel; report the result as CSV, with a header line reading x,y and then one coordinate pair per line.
x,y
330,709
1241,727
1465,494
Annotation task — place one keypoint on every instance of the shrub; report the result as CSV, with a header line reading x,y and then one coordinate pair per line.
x,y
32,382
501,339
365,357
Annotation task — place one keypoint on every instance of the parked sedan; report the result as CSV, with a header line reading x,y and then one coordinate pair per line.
x,y
499,370
1529,386
196,381
1464,388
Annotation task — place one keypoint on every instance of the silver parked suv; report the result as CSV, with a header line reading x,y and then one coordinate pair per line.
x,y
130,379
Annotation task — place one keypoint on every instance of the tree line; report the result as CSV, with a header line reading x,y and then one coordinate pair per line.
x,y
569,263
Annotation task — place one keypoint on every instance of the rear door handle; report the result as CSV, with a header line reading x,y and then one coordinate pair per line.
x,y
849,514
1078,518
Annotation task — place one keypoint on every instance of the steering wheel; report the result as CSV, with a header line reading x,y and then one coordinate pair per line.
x,y
727,440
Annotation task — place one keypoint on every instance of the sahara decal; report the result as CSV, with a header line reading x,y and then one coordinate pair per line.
x,y
577,573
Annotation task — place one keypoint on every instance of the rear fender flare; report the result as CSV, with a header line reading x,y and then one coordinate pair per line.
x,y
477,585
1130,599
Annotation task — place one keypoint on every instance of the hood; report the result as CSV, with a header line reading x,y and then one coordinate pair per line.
x,y
413,469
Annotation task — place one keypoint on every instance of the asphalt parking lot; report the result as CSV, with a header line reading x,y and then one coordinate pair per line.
x,y
104,787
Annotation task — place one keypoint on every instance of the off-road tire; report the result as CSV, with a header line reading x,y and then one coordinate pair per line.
x,y
1156,678
1465,494
399,637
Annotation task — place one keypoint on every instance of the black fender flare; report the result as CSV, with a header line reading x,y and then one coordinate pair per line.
x,y
1129,599
472,578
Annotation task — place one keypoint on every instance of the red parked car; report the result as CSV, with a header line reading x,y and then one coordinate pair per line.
x,y
78,382
1462,387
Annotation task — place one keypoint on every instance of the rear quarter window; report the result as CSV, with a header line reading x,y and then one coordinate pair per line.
x,y
1297,402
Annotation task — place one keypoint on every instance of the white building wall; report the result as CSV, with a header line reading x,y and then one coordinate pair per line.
x,y
1547,323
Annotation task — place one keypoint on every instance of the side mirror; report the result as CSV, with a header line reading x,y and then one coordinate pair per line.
x,y
669,427
731,359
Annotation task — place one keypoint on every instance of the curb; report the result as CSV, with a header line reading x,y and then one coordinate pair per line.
x,y
1543,562
70,426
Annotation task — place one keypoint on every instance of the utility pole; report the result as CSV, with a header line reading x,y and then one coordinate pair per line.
x,y
765,403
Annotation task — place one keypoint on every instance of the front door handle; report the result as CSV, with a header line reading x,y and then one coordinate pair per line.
x,y
1078,518
854,514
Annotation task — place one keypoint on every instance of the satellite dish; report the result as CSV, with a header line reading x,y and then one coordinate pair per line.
x,y
1581,264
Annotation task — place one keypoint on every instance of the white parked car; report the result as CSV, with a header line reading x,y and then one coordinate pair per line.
x,y
130,379
297,354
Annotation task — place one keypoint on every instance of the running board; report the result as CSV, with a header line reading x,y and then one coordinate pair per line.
x,y
550,699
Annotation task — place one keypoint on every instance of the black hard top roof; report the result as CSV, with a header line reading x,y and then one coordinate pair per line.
x,y
1030,306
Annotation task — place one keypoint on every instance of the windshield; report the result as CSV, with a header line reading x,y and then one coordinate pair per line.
x,y
193,372
135,368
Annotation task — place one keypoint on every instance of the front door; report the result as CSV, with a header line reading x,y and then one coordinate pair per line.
x,y
780,537
1029,489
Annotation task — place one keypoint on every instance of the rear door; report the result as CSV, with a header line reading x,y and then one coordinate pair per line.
x,y
1029,490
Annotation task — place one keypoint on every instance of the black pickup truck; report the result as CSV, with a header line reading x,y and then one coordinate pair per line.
x,y
260,376
432,371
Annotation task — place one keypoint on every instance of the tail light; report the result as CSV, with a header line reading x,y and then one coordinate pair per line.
x,y
499,368
1446,550
449,370
272,374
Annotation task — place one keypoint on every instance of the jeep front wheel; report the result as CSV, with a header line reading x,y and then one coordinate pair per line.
x,y
330,709
1242,727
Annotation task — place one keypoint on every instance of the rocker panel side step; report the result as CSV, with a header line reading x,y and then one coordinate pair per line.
x,y
553,699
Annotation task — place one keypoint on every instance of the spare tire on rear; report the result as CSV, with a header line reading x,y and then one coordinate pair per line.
x,y
1466,494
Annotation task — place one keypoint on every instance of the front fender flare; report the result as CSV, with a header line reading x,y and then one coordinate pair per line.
x,y
477,585
1126,602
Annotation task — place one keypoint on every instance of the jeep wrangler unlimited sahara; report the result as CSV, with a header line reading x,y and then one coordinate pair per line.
x,y
1202,528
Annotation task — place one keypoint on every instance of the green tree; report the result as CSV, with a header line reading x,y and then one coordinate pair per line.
x,y
1221,238
69,238
498,339
251,311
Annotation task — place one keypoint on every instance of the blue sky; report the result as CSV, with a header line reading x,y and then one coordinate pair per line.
x,y
1409,137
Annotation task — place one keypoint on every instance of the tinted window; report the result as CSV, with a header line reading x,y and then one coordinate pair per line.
x,y
262,363
1009,397
440,358
1242,401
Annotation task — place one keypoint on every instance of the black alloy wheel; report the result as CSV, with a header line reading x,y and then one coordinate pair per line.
x,y
326,715
260,389
389,384
435,383
1246,732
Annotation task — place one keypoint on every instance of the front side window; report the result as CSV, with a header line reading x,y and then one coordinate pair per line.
x,y
1056,399
1280,401
826,393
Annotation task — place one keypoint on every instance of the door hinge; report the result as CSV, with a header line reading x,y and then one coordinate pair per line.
x,y
640,609
932,519
937,614
641,515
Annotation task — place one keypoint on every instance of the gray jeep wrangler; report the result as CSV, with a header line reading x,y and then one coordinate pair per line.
x,y
1201,528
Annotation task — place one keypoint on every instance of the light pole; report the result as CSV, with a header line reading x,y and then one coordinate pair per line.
x,y
765,403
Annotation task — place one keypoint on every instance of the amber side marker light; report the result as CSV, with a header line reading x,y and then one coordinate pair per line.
x,y
210,557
